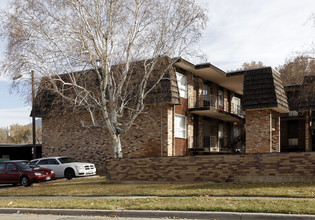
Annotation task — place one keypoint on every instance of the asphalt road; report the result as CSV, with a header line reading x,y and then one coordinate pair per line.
x,y
69,214
54,217
42,217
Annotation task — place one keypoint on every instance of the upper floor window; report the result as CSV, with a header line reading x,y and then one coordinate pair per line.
x,y
236,105
182,85
206,95
220,98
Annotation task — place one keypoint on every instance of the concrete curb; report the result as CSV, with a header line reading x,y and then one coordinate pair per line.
x,y
157,214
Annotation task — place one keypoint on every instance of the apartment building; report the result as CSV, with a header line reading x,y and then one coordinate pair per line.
x,y
210,118
298,126
195,110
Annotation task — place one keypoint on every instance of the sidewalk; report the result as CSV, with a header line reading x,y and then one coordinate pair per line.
x,y
158,214
145,197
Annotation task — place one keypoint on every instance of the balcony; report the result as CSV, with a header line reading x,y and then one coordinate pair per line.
x,y
237,110
202,145
210,107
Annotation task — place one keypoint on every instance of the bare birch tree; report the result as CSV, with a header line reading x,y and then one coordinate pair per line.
x,y
58,38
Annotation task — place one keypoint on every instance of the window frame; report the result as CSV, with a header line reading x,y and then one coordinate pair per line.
x,y
220,98
182,86
43,162
181,130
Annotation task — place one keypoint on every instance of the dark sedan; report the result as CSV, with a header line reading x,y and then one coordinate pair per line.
x,y
24,172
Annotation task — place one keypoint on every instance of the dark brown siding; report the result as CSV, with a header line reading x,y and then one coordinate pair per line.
x,y
180,146
181,143
182,108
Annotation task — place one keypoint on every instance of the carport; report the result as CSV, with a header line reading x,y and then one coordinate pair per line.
x,y
19,151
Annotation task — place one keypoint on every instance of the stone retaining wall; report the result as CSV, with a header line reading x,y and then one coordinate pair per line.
x,y
275,167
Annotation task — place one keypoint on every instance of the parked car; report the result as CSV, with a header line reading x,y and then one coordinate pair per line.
x,y
66,166
24,172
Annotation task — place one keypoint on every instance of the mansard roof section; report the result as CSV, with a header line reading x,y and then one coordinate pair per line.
x,y
263,89
301,97
214,74
166,91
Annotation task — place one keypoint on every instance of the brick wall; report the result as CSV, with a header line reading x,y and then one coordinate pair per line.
x,y
151,136
276,167
260,135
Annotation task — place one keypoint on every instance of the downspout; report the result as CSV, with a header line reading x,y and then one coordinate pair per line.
x,y
173,129
161,131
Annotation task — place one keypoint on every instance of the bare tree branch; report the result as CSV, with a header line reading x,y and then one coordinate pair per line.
x,y
101,57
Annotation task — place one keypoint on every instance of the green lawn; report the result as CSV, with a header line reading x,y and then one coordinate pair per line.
x,y
189,197
182,204
99,187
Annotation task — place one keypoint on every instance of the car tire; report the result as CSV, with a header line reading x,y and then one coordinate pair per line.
x,y
25,181
69,173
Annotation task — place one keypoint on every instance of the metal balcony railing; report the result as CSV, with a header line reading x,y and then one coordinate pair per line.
x,y
205,142
209,100
212,101
237,110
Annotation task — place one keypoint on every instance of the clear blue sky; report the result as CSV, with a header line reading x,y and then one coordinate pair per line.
x,y
238,31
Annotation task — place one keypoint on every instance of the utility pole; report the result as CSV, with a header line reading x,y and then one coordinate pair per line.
x,y
33,115
33,111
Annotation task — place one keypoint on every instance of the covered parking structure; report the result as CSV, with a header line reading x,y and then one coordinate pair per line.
x,y
19,151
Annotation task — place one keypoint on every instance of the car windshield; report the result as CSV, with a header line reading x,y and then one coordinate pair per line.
x,y
26,165
66,160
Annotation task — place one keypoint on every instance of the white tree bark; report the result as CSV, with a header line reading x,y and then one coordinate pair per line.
x,y
58,37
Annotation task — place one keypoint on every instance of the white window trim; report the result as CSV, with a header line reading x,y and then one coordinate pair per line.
x,y
180,129
236,104
182,89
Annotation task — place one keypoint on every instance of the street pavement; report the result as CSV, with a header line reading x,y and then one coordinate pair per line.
x,y
55,217
69,214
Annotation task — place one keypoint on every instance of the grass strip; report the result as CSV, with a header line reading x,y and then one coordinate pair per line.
x,y
180,204
99,187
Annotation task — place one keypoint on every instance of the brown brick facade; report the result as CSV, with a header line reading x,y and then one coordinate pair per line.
x,y
151,136
262,131
277,167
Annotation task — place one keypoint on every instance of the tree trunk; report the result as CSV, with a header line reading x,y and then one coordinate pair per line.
x,y
117,146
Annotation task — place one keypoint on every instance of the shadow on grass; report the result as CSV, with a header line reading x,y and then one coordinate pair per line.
x,y
244,185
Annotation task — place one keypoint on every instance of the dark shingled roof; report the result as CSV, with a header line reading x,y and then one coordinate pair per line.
x,y
48,102
263,89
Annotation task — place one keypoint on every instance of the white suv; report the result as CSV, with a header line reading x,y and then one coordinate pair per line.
x,y
66,166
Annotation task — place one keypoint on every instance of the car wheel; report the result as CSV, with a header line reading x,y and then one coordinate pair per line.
x,y
69,174
25,181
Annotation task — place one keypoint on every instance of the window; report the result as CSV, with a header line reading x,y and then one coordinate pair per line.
x,y
220,98
293,141
293,113
206,95
220,131
1,166
180,126
236,131
52,162
182,85
10,166
43,162
237,105
67,160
